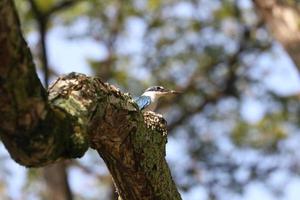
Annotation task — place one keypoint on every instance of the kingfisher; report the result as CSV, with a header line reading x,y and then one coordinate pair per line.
x,y
148,100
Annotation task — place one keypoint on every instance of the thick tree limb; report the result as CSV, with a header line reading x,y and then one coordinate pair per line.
x,y
25,113
79,112
283,22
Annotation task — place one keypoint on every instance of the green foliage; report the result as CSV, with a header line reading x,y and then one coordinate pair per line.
x,y
226,11
265,134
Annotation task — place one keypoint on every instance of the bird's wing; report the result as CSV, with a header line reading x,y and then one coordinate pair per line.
x,y
142,101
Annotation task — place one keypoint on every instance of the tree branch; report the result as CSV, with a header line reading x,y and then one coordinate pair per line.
x,y
79,112
283,21
26,117
56,177
61,5
229,82
42,21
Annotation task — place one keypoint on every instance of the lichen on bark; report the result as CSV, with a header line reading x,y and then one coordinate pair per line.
x,y
39,127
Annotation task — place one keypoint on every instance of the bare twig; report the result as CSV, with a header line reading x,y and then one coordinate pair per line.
x,y
42,21
60,6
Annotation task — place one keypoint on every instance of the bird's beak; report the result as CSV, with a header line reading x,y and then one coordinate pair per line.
x,y
174,92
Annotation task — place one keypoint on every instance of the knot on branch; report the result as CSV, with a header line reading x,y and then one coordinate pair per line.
x,y
74,85
155,121
73,96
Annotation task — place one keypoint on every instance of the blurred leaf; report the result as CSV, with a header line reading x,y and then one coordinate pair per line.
x,y
265,134
154,4
225,11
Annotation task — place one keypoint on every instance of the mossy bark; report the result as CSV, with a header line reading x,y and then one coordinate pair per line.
x,y
39,127
31,129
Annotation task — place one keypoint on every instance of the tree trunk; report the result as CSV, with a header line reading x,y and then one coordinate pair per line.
x,y
282,19
56,177
78,112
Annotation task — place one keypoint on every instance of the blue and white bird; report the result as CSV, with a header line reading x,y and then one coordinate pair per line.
x,y
148,100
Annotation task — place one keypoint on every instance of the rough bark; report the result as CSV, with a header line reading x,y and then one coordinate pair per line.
x,y
282,18
39,128
25,113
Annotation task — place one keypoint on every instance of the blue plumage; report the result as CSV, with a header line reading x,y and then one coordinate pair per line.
x,y
142,101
